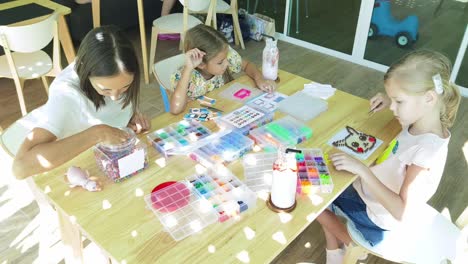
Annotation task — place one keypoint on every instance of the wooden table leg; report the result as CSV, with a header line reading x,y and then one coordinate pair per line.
x,y
144,50
71,238
96,8
65,40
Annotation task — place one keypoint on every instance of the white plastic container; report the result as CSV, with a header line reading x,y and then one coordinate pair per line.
x,y
270,59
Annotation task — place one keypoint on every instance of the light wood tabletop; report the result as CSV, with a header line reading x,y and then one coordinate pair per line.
x,y
117,219
64,33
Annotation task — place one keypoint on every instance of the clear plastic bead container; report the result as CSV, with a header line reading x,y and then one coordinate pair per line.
x,y
244,119
285,132
258,170
181,210
228,195
179,138
121,161
312,172
224,149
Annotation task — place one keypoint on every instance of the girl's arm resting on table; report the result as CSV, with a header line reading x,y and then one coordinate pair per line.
x,y
251,70
395,203
41,151
179,97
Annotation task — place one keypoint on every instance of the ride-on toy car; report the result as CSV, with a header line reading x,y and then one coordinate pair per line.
x,y
384,24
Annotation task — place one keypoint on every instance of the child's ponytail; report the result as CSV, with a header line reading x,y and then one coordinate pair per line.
x,y
450,101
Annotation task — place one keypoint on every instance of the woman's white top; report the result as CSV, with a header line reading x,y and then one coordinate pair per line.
x,y
67,112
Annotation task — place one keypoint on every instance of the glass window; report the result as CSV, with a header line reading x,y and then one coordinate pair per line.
x,y
327,23
271,8
399,26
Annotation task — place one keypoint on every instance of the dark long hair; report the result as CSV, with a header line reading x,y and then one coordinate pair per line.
x,y
106,51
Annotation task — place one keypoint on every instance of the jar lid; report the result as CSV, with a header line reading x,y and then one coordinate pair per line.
x,y
127,144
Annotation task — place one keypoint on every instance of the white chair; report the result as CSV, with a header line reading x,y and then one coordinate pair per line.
x,y
24,58
429,241
162,71
224,8
10,141
177,23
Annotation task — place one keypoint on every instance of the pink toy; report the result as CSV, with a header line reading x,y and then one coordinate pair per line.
x,y
78,177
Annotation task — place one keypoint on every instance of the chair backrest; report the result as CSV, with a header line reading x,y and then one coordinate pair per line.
x,y
162,71
12,137
29,38
196,5
429,239
165,68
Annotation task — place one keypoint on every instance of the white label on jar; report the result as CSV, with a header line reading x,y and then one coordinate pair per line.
x,y
131,163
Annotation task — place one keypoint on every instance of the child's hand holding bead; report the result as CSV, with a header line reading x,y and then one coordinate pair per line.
x,y
378,102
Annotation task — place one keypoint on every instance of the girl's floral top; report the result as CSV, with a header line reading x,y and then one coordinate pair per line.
x,y
198,85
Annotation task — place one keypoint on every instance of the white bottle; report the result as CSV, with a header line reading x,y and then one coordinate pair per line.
x,y
283,187
270,59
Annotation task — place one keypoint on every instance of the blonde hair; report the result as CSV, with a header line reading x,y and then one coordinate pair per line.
x,y
208,40
415,71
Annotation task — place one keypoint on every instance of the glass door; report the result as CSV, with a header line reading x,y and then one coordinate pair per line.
x,y
327,23
271,8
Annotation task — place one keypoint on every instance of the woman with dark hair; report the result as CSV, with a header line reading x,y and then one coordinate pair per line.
x,y
88,101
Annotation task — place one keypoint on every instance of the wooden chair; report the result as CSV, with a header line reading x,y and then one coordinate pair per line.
x,y
24,58
430,241
177,23
162,71
221,7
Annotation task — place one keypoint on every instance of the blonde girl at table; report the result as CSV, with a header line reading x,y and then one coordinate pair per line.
x,y
209,64
425,103
88,101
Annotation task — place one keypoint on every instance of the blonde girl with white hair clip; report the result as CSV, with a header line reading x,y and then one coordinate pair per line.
x,y
425,102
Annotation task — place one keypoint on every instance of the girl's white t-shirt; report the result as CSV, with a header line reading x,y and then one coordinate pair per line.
x,y
68,111
427,151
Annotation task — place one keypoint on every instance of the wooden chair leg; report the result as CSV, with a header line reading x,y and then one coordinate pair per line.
x,y
19,84
237,29
45,82
353,253
181,42
144,49
154,43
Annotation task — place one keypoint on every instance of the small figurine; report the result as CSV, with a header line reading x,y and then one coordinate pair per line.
x,y
78,177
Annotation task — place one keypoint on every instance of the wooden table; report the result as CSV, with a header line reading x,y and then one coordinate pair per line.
x,y
64,33
116,218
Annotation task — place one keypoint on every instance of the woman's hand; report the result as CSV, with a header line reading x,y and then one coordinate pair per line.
x,y
266,85
343,161
378,102
110,135
193,58
139,123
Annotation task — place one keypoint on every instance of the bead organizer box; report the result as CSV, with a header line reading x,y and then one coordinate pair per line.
x,y
123,160
179,138
267,102
225,149
312,171
227,194
286,131
244,119
258,170
180,209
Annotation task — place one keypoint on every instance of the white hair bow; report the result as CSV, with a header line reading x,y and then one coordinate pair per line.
x,y
439,87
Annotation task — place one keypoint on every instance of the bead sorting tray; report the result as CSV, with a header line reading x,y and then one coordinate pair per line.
x,y
225,149
228,195
312,172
